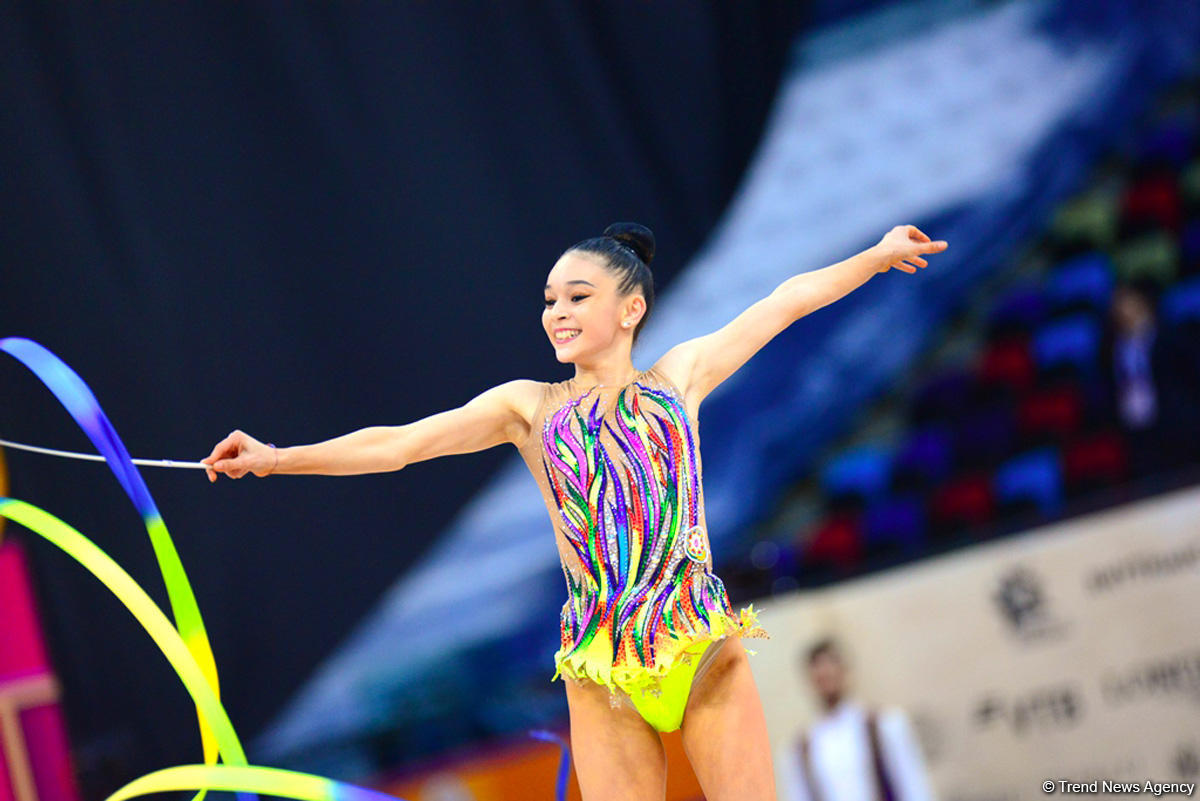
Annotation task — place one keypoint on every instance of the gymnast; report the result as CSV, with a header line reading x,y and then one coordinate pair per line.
x,y
647,631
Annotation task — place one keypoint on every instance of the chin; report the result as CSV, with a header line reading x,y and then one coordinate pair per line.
x,y
566,355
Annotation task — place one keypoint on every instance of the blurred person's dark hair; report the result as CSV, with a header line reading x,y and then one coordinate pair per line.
x,y
1148,288
826,646
1142,291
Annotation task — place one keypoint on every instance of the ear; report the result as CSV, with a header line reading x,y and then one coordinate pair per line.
x,y
633,308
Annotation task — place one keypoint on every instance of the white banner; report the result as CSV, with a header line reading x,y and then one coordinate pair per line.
x,y
1069,652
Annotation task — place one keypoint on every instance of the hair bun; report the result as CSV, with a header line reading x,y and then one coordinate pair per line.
x,y
639,238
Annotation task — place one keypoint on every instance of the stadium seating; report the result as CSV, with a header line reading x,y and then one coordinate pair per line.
x,y
1025,426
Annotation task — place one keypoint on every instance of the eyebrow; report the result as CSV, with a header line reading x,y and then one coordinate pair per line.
x,y
578,281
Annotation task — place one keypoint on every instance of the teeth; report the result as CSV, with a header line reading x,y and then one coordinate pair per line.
x,y
565,335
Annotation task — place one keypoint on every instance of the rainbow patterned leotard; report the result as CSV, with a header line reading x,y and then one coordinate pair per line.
x,y
620,472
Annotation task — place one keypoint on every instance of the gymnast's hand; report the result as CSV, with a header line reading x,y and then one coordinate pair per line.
x,y
239,454
903,245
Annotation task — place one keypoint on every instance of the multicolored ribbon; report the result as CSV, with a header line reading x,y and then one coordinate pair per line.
x,y
184,644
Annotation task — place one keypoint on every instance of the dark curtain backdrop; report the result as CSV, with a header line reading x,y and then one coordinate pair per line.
x,y
299,220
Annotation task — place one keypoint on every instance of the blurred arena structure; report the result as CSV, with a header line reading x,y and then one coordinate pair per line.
x,y
972,120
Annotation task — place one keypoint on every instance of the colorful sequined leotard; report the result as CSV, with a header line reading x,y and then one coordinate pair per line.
x,y
620,472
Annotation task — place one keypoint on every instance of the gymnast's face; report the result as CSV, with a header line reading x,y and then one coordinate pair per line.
x,y
583,311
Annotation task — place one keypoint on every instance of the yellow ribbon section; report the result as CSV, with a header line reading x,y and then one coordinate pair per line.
x,y
236,775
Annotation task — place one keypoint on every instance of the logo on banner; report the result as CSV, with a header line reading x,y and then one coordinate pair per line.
x,y
1021,599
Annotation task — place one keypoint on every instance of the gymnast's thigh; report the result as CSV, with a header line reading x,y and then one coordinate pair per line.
x,y
617,754
724,730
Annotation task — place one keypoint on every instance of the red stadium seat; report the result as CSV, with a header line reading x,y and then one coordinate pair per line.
x,y
837,542
1052,413
962,502
1153,201
1008,363
1095,460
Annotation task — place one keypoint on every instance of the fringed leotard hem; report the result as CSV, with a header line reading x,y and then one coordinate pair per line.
x,y
595,663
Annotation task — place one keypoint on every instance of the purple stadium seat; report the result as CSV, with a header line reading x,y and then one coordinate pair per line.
x,y
1021,309
986,436
896,524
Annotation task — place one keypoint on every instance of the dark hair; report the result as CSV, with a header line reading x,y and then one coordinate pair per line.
x,y
627,248
1148,288
824,646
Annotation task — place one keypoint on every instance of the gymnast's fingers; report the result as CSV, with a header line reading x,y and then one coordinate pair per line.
x,y
222,452
917,234
230,446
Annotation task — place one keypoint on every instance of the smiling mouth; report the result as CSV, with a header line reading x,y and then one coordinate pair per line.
x,y
566,336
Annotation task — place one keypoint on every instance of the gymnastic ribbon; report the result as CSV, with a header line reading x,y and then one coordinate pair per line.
x,y
564,763
185,644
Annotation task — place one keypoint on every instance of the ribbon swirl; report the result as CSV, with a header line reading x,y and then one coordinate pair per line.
x,y
185,644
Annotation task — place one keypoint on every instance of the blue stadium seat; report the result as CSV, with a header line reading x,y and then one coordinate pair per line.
x,y
1071,340
1189,246
1023,308
864,471
1170,142
1086,279
1181,302
1031,478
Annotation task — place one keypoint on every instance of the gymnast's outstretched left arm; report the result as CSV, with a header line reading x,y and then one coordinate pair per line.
x,y
699,365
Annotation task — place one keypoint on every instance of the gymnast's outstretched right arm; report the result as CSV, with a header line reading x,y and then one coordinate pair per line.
x,y
495,416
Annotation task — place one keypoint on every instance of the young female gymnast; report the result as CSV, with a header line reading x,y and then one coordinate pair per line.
x,y
616,454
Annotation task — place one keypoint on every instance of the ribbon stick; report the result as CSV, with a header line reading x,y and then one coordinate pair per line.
x,y
185,644
94,458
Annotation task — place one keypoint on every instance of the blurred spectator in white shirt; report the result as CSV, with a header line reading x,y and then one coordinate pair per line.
x,y
852,752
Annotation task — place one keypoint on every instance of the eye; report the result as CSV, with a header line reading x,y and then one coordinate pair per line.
x,y
574,299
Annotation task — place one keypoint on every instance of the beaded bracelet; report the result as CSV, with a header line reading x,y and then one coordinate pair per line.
x,y
272,445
